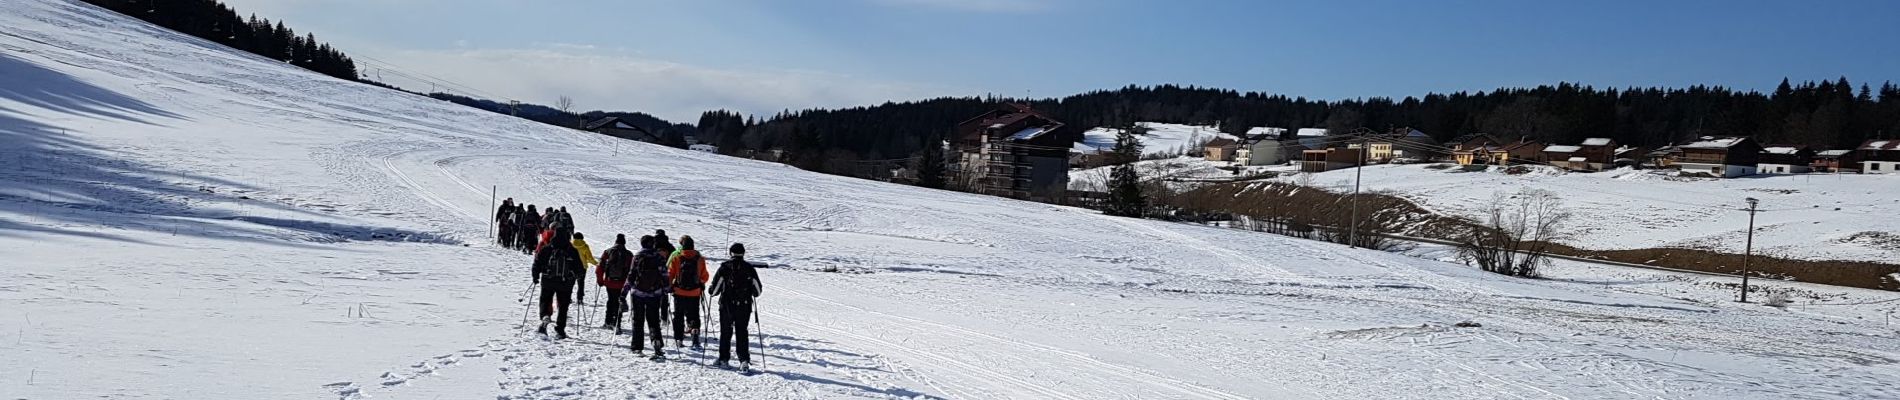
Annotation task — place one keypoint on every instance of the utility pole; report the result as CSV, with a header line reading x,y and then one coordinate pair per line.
x,y
1352,234
1749,250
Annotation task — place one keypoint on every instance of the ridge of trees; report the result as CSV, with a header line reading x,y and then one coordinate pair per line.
x,y
1825,114
212,20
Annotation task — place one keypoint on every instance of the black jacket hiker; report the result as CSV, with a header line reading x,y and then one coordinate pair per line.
x,y
556,267
736,284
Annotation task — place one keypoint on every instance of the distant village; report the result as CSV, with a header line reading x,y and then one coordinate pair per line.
x,y
1016,151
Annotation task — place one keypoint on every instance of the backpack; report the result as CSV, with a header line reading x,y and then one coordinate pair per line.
x,y
617,264
740,283
688,278
650,273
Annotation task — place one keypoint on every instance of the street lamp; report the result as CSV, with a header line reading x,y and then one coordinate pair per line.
x,y
1749,247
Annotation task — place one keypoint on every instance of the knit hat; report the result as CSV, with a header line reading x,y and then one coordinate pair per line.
x,y
738,249
646,242
620,239
686,242
579,236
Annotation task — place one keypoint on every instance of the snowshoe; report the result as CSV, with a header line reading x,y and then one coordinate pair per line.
x,y
721,364
658,356
745,368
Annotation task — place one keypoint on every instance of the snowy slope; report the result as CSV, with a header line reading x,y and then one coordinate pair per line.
x,y
1161,139
1818,216
182,221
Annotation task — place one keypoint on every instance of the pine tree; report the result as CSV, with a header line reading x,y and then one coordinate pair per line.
x,y
930,165
1124,194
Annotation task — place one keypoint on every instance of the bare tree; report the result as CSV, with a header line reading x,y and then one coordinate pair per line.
x,y
1516,236
566,105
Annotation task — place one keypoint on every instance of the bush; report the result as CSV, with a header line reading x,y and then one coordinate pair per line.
x,y
1516,234
1473,168
1438,166
1517,170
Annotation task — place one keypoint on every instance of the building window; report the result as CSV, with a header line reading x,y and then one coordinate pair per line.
x,y
1873,166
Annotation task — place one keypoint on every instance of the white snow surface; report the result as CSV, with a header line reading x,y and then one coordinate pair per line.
x,y
1161,139
180,220
1810,216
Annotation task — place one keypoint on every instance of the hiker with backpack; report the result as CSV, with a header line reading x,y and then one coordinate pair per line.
x,y
526,227
504,222
649,297
556,267
616,265
661,243
687,271
737,285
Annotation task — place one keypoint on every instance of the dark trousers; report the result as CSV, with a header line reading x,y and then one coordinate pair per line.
x,y
580,290
735,319
646,317
504,234
685,316
616,304
554,293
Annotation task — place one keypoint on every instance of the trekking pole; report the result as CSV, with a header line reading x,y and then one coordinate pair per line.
x,y
759,326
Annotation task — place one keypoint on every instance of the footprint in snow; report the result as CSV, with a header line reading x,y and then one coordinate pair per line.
x,y
392,379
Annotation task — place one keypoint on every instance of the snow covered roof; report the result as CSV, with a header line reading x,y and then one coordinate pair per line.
x,y
1784,150
1833,153
1579,159
1265,130
1311,132
1028,133
1711,142
1562,149
1624,149
622,125
1596,142
1881,145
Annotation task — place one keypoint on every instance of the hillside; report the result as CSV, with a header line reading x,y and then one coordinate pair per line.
x,y
183,220
1810,217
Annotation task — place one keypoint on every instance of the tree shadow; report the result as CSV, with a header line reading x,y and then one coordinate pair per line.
x,y
55,183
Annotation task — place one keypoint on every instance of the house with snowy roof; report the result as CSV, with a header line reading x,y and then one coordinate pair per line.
x,y
1598,154
1476,148
616,127
1220,149
1881,156
1786,159
1263,146
1835,161
1721,157
1014,151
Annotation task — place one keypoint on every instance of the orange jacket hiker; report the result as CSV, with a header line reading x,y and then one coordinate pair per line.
x,y
673,269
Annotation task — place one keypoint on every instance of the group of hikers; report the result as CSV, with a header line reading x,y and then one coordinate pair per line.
x,y
638,283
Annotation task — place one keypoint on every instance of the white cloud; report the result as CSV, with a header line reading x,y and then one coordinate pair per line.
x,y
990,6
619,81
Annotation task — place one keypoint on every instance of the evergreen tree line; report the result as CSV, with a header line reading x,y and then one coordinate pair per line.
x,y
212,20
1825,114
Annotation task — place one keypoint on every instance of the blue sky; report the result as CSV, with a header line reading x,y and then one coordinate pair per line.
x,y
678,57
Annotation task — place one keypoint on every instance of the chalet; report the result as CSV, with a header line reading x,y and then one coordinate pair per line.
x,y
1220,149
1663,157
1597,153
1722,157
1408,143
1566,156
1265,149
1311,132
1327,159
1629,156
614,126
1836,161
1014,151
1476,148
1525,151
1879,156
1785,159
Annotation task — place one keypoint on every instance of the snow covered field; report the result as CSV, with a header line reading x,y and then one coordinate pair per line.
x,y
1179,168
178,220
1162,138
1810,216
